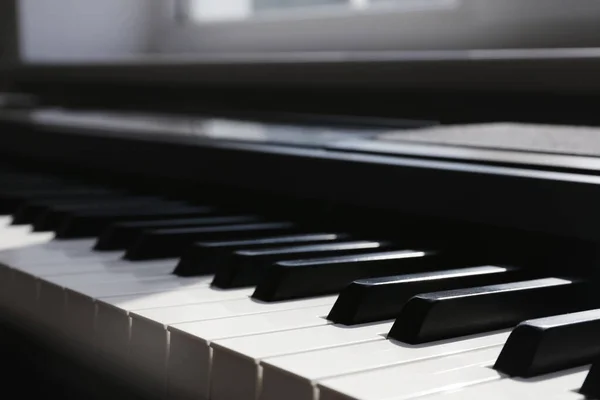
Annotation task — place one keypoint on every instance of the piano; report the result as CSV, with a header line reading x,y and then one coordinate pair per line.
x,y
264,245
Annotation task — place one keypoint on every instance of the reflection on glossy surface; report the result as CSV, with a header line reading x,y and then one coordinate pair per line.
x,y
204,128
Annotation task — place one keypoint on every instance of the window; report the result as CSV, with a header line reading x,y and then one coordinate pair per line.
x,y
225,26
211,10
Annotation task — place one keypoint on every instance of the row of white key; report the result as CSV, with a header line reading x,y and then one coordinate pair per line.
x,y
182,338
86,296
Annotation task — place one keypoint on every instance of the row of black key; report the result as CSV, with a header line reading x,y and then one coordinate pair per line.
x,y
429,301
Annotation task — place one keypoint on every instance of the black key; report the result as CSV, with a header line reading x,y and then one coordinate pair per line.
x,y
591,386
31,179
311,277
247,267
452,313
33,184
201,258
47,212
30,210
9,176
12,198
165,243
37,184
54,216
24,180
120,235
13,174
91,223
551,344
51,214
378,299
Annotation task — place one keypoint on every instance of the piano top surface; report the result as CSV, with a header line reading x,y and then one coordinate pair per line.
x,y
539,191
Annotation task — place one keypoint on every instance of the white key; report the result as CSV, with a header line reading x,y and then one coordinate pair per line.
x,y
15,238
21,241
26,274
45,298
145,271
562,385
415,379
34,252
8,232
5,220
79,300
11,238
113,323
297,374
50,260
189,360
37,253
149,341
108,268
26,264
36,259
75,317
73,246
240,357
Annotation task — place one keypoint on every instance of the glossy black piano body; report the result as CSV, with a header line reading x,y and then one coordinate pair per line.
x,y
535,209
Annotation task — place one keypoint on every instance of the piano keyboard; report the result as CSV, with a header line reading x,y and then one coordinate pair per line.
x,y
194,301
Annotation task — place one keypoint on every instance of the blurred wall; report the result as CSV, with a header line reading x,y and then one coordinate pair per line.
x,y
71,30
